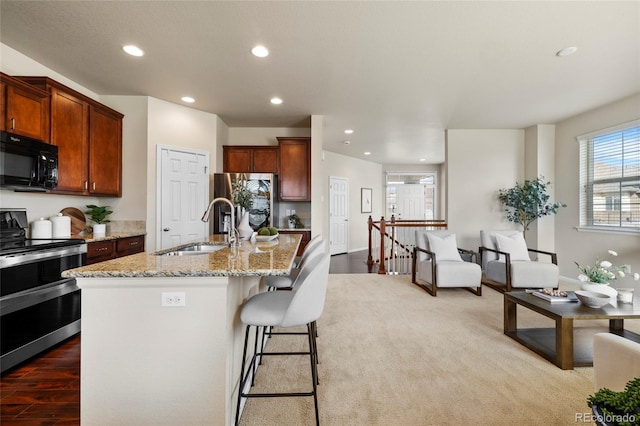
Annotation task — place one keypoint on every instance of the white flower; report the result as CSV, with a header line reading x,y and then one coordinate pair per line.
x,y
636,276
621,274
606,264
612,253
584,278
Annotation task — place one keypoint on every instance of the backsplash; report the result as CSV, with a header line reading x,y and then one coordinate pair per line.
x,y
120,226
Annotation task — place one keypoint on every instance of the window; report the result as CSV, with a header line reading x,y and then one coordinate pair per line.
x,y
610,179
411,195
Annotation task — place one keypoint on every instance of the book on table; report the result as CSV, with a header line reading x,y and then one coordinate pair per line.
x,y
569,298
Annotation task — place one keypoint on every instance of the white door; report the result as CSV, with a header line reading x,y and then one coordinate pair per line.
x,y
338,215
410,201
183,195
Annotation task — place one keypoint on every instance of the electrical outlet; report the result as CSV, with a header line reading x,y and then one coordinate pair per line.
x,y
626,269
174,299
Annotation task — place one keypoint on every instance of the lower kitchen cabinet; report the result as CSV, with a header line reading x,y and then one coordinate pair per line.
x,y
99,251
306,236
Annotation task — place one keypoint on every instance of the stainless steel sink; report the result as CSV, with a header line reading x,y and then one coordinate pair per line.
x,y
199,248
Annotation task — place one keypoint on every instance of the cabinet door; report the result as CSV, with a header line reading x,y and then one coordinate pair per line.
x,y
99,251
69,119
129,245
295,169
236,159
265,160
3,106
105,152
26,112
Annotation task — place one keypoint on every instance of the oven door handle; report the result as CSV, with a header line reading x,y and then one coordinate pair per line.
x,y
24,299
40,255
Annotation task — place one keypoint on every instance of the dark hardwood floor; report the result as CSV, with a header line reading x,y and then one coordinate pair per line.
x,y
46,389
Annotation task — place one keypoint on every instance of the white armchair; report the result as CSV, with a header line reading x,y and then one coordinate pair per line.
x,y
616,360
437,261
506,264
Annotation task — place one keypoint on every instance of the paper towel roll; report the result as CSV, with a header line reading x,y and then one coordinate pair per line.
x,y
41,228
61,226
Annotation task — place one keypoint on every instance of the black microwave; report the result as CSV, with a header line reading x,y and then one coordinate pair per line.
x,y
27,164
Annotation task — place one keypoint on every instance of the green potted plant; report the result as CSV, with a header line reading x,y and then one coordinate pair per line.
x,y
527,202
617,408
294,221
98,215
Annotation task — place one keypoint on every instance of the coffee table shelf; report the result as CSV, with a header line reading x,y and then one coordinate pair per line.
x,y
564,345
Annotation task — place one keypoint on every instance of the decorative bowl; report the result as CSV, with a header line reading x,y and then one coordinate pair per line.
x,y
592,299
266,237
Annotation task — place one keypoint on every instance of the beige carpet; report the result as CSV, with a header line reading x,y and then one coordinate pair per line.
x,y
390,354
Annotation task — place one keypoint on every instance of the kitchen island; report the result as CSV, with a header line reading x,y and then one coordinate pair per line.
x,y
161,334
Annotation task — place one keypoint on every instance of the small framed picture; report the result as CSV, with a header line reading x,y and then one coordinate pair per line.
x,y
365,200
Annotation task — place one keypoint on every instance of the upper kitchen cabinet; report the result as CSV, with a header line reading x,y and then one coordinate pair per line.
x,y
89,139
250,159
25,109
294,179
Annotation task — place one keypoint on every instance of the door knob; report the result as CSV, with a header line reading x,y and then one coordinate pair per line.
x,y
166,229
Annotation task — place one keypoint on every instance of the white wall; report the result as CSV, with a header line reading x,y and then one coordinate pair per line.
x,y
478,164
263,135
361,174
585,247
174,125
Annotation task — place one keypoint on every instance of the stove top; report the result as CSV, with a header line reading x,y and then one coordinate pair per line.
x,y
13,240
27,245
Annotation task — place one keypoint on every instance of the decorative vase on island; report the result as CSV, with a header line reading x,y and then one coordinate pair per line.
x,y
244,229
603,288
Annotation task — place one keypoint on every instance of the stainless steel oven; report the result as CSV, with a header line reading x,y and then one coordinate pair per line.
x,y
38,308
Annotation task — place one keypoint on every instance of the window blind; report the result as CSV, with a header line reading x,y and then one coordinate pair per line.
x,y
610,179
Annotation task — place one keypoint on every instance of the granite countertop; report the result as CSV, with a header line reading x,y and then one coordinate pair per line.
x,y
251,258
89,238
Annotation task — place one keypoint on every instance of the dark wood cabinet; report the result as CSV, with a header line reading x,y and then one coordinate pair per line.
x,y
25,109
250,159
294,179
99,251
306,237
89,139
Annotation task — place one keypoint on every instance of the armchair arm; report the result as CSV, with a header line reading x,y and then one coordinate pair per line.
x,y
554,256
506,255
471,253
415,259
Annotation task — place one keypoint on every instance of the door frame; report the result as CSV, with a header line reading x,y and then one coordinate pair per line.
x,y
159,149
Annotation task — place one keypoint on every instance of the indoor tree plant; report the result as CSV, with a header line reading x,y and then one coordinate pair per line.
x,y
98,215
527,202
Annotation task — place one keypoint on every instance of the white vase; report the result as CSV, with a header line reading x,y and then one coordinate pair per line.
x,y
244,229
604,288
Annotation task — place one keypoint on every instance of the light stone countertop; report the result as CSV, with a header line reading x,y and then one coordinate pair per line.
x,y
89,238
249,259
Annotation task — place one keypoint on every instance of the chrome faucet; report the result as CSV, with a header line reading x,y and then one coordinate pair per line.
x,y
233,235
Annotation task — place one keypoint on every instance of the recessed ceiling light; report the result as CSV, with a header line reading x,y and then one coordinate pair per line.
x,y
423,159
346,142
567,51
348,131
260,51
188,99
276,101
367,153
133,50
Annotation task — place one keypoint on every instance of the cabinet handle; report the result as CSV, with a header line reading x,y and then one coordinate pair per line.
x,y
94,186
86,184
102,249
13,123
133,243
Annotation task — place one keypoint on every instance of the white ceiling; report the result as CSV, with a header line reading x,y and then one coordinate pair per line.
x,y
398,73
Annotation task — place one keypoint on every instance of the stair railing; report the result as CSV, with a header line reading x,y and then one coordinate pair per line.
x,y
391,243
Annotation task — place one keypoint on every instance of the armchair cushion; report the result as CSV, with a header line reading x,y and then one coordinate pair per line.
x,y
445,248
515,245
524,274
616,360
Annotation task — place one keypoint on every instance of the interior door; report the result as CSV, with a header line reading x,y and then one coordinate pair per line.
x,y
184,195
410,201
338,215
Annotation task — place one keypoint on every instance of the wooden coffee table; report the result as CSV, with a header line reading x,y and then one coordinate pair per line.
x,y
563,345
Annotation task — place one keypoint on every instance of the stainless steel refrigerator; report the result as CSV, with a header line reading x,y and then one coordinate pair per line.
x,y
263,211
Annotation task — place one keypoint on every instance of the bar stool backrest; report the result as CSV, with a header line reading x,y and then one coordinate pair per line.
x,y
311,245
310,293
